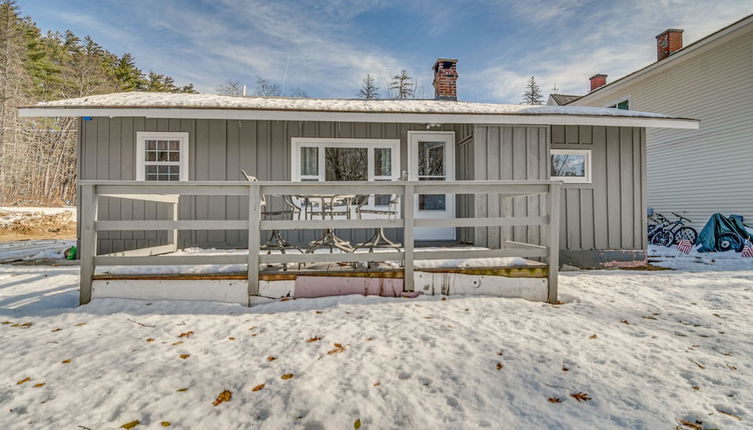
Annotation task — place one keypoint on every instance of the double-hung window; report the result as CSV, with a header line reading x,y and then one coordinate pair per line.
x,y
162,156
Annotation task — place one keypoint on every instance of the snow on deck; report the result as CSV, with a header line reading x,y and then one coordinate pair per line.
x,y
137,99
648,349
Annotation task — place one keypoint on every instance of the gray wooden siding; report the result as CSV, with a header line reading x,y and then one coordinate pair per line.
x,y
509,152
608,213
218,150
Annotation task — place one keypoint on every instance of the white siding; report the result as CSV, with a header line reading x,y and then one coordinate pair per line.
x,y
698,172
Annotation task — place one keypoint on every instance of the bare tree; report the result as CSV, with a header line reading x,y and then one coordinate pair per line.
x,y
369,90
533,94
266,88
402,86
230,88
297,92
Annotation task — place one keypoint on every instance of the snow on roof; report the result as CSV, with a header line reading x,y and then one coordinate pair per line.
x,y
152,104
212,101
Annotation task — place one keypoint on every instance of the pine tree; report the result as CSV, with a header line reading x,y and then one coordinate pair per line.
x,y
402,86
369,90
533,94
130,77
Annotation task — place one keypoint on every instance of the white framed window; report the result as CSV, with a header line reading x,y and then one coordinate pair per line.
x,y
329,159
161,156
570,165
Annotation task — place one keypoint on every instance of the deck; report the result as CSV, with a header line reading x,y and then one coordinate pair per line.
x,y
408,270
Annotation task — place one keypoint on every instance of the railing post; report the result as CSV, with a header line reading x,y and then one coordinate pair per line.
x,y
89,207
172,235
408,237
553,244
254,238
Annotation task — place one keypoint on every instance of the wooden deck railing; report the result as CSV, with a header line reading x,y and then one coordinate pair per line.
x,y
170,192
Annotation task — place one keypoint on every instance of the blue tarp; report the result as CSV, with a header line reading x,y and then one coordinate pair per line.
x,y
720,226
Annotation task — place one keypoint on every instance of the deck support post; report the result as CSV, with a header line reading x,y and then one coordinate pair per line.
x,y
89,207
254,238
552,241
408,237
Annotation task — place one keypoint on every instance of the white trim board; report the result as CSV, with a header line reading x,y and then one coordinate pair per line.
x,y
431,118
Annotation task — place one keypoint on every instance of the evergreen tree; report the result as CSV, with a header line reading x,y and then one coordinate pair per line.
x,y
130,77
533,94
402,86
369,90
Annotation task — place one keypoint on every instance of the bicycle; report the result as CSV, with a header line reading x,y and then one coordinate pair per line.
x,y
681,231
658,233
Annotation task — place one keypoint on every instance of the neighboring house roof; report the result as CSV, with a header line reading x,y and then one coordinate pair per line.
x,y
561,99
676,56
179,105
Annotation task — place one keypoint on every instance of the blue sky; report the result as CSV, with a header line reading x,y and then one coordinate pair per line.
x,y
327,46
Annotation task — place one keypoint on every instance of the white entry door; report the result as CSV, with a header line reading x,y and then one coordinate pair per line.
x,y
431,157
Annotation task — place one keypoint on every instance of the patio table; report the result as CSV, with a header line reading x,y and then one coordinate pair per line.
x,y
329,239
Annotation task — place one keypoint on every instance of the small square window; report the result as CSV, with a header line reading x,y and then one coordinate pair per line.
x,y
571,165
162,156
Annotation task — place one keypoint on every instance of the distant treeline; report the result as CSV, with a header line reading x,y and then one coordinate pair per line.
x,y
38,155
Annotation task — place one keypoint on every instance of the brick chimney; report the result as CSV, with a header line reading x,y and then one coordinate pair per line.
x,y
598,81
445,79
667,43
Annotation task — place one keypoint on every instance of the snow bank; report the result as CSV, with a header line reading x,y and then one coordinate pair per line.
x,y
137,99
648,349
671,258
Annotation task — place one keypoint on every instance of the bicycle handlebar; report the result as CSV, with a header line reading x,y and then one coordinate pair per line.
x,y
681,217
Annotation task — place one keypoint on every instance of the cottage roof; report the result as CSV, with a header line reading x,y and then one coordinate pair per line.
x,y
179,105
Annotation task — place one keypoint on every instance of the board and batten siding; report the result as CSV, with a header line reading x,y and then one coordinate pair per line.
x,y
603,215
698,172
218,150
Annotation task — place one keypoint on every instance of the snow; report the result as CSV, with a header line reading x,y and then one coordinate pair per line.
x,y
407,363
670,257
137,99
34,249
40,210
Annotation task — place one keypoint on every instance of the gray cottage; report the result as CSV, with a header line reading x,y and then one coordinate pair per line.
x,y
159,173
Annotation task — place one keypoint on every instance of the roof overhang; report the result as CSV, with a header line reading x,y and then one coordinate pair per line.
x,y
339,116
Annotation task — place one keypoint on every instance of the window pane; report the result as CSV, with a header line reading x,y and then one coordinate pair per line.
x,y
382,162
309,161
151,145
151,169
431,159
431,202
162,145
162,156
623,105
346,164
175,145
568,165
151,156
174,156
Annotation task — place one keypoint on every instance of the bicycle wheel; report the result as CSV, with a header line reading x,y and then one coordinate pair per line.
x,y
663,238
686,233
729,242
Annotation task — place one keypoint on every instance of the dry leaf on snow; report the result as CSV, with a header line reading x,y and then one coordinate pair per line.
x,y
66,361
338,348
41,384
130,425
165,423
80,324
580,397
186,334
224,396
258,387
376,384
554,400
287,376
271,358
313,339
593,336
694,426
184,356
55,330
500,366
357,424
728,414
182,390
23,381
150,339
231,338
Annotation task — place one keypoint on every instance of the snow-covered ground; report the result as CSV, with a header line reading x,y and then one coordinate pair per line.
x,y
648,349
53,249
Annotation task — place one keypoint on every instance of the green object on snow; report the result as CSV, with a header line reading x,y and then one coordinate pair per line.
x,y
71,253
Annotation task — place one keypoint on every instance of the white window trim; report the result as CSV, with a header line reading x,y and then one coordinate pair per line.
x,y
573,179
323,142
143,136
